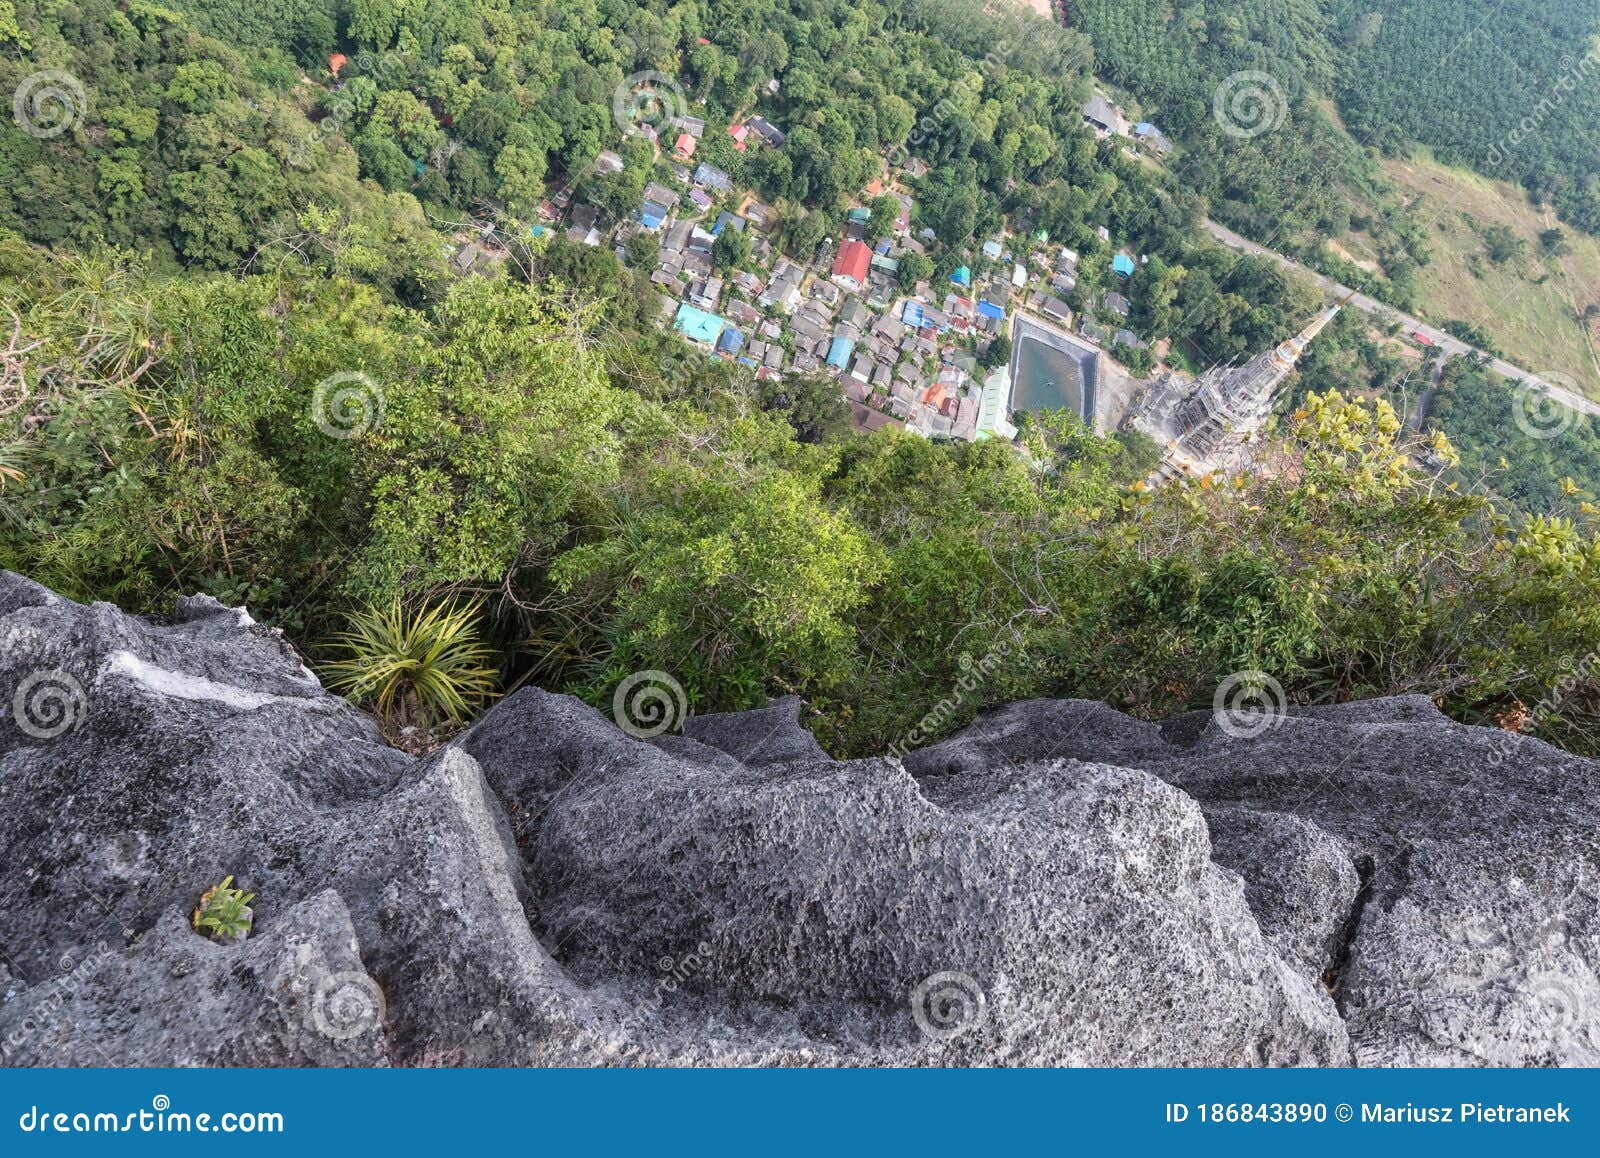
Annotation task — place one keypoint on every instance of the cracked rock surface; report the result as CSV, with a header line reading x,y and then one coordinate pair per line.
x,y
1057,885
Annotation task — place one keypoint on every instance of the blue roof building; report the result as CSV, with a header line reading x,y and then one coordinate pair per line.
x,y
912,314
697,325
653,215
731,342
839,353
962,277
989,310
1122,265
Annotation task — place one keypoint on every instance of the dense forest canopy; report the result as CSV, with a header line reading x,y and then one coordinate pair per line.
x,y
1511,89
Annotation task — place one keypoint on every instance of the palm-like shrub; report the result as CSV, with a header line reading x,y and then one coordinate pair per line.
x,y
414,668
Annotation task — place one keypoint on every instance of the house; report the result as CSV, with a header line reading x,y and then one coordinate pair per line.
x,y
850,267
767,131
694,126
854,314
962,277
698,325
861,371
661,195
1122,265
1057,311
1019,276
761,215
739,133
676,238
701,198
700,241
866,420
827,292
705,292
1117,304
724,220
992,249
653,216
1102,116
839,351
1154,138
684,146
744,312
730,342
713,178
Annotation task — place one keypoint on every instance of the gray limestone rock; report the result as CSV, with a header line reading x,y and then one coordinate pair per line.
x,y
1058,884
1470,936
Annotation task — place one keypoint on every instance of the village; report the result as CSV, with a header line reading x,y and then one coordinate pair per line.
x,y
932,355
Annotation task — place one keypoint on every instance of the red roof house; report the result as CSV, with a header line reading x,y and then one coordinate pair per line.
x,y
685,145
850,267
739,133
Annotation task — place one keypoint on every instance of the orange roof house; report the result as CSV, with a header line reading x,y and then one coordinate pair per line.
x,y
685,145
739,133
337,61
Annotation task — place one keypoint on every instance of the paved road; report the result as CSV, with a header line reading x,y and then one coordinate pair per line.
x,y
1447,342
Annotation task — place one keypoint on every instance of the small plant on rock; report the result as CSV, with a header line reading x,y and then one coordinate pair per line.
x,y
416,668
224,912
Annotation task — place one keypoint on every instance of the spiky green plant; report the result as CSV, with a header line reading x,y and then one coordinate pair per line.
x,y
417,668
224,911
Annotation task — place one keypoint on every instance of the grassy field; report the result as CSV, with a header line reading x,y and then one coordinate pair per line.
x,y
1529,303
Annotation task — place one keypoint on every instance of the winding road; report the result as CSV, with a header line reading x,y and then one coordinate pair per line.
x,y
1447,342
